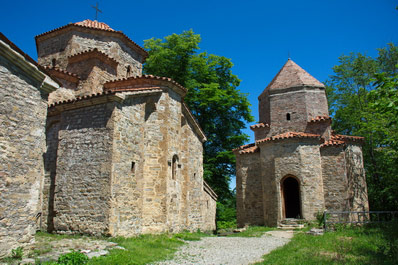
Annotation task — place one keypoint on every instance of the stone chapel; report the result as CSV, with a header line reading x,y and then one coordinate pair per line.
x,y
115,152
298,166
124,153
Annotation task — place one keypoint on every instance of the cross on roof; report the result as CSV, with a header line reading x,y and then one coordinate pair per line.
x,y
96,11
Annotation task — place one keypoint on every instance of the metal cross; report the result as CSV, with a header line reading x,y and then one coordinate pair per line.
x,y
96,11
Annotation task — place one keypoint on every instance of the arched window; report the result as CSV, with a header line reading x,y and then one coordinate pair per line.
x,y
288,116
128,70
174,167
53,62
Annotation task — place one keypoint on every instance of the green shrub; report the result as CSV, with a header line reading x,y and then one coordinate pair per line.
x,y
73,258
226,224
17,253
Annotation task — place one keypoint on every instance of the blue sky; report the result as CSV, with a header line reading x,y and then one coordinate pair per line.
x,y
258,36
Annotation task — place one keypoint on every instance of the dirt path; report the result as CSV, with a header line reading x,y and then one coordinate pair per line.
x,y
229,250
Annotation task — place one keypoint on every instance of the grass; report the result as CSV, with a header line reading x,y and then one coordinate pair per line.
x,y
355,245
145,248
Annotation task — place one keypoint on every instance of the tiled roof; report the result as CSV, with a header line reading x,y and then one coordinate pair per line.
x,y
338,139
63,71
259,125
94,24
136,82
81,98
247,149
289,135
292,75
332,142
320,119
90,54
348,138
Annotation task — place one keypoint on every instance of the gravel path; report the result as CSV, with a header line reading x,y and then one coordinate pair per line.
x,y
229,250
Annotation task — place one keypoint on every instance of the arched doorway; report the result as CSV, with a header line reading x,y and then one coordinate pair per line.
x,y
291,197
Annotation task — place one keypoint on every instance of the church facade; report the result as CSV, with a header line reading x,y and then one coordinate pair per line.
x,y
91,145
297,167
124,153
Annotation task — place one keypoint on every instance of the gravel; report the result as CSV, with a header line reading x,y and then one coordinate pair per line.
x,y
229,250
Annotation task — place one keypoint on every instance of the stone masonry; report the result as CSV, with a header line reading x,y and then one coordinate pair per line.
x,y
24,88
92,146
297,167
124,153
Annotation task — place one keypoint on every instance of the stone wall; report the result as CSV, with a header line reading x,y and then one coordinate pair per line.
x,y
249,190
81,183
135,165
93,74
301,104
357,189
60,46
23,112
293,157
334,176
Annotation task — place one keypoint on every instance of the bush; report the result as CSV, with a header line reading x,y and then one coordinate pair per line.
x,y
73,258
17,253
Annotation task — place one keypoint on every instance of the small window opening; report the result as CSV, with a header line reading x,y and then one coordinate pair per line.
x,y
128,70
194,175
288,116
53,62
133,167
174,167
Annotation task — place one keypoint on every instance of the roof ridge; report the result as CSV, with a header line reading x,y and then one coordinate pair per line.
x,y
292,75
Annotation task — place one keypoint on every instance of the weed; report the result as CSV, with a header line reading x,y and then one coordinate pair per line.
x,y
73,258
17,253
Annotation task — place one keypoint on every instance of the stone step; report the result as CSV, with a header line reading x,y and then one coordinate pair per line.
x,y
291,226
292,221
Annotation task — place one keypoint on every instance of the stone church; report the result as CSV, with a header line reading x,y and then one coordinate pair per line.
x,y
298,166
115,153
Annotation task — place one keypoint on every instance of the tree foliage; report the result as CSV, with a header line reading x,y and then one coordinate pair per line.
x,y
363,99
213,98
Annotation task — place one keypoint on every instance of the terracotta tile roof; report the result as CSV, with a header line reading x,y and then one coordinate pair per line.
x,y
292,75
139,82
332,142
92,53
259,125
63,71
247,149
94,25
320,119
347,138
81,98
289,135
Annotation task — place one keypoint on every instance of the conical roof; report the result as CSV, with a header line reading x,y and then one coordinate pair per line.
x,y
292,75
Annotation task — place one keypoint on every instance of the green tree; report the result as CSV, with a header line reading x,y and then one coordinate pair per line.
x,y
220,108
363,99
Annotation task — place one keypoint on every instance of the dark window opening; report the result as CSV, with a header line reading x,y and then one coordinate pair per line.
x,y
291,198
53,62
133,167
128,70
288,116
174,167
